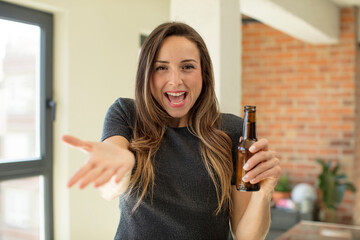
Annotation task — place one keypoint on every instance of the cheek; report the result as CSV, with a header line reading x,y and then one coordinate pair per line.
x,y
199,83
154,87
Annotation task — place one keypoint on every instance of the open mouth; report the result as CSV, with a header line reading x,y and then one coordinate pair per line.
x,y
176,97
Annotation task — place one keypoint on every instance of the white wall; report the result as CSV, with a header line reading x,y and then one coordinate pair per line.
x,y
96,50
219,24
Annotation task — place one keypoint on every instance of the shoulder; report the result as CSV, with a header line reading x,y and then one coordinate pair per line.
x,y
231,122
123,104
124,108
119,119
232,126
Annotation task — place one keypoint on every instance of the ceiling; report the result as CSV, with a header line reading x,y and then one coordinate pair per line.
x,y
312,21
346,3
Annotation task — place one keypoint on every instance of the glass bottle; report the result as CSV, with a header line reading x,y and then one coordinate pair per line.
x,y
243,154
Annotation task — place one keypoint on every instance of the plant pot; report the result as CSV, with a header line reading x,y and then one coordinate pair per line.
x,y
327,215
280,195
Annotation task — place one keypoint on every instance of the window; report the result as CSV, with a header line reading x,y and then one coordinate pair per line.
x,y
26,115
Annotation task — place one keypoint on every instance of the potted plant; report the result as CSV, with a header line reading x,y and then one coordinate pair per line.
x,y
282,189
332,186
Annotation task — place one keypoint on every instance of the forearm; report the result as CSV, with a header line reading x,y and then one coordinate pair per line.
x,y
255,222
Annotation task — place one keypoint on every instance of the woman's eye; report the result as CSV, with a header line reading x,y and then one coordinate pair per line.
x,y
187,67
159,68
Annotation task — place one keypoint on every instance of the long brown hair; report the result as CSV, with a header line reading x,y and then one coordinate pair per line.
x,y
204,119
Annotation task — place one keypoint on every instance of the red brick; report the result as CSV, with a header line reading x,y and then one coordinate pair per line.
x,y
306,70
309,119
348,85
284,55
295,95
307,54
317,127
318,62
341,78
306,134
348,35
276,48
344,127
347,19
283,150
329,135
284,102
329,151
273,64
346,11
306,86
328,119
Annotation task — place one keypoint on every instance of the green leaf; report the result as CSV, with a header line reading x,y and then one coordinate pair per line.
x,y
350,187
342,176
336,169
328,165
283,185
321,162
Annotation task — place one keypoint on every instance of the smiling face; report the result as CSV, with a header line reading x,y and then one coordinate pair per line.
x,y
176,81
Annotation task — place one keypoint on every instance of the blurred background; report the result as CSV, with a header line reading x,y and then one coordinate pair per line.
x,y
297,61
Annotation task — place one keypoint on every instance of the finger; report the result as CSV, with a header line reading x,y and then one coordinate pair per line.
x,y
91,176
257,171
104,178
257,158
262,144
271,173
79,174
76,142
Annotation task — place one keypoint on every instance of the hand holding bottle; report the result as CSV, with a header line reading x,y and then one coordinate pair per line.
x,y
263,166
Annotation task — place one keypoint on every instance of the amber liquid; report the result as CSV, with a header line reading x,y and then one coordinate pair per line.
x,y
243,155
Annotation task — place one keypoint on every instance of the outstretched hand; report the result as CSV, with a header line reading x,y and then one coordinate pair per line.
x,y
105,160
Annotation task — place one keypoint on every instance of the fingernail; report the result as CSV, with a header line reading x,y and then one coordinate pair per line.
x,y
252,180
245,178
252,149
246,166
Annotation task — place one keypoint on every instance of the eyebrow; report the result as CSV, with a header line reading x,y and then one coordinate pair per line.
x,y
185,60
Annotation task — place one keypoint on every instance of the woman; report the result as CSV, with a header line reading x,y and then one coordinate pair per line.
x,y
174,153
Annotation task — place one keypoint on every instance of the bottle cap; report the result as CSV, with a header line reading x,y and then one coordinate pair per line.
x,y
250,108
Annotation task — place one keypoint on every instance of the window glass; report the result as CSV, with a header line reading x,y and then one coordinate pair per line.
x,y
19,91
21,209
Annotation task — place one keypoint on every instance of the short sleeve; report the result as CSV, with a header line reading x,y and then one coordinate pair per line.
x,y
232,126
119,119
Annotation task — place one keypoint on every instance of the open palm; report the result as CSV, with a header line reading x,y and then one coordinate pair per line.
x,y
104,161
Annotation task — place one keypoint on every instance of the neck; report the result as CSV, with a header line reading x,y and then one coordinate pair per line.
x,y
177,122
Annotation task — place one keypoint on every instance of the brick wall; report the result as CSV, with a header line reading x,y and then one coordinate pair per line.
x,y
357,139
305,98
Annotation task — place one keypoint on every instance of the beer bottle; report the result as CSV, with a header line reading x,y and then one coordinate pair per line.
x,y
243,153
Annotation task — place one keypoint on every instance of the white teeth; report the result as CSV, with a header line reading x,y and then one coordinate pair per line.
x,y
175,94
177,103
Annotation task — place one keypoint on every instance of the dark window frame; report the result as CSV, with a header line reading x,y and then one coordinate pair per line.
x,y
44,165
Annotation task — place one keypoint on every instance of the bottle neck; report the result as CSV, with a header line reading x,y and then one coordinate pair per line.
x,y
249,126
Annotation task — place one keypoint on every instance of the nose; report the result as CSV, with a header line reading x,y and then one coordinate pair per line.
x,y
175,77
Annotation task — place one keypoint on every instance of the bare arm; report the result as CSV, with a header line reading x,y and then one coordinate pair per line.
x,y
250,218
105,160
